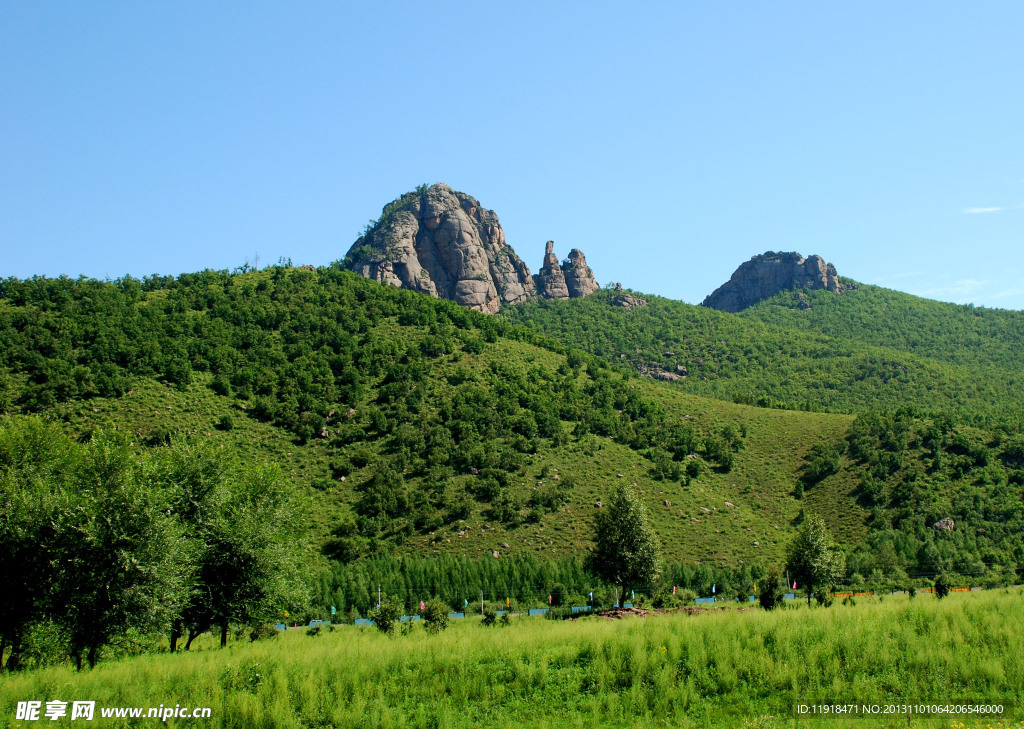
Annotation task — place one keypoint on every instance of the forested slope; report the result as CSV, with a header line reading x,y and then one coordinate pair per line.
x,y
408,425
860,361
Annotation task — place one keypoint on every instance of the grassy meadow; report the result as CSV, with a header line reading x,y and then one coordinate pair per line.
x,y
727,668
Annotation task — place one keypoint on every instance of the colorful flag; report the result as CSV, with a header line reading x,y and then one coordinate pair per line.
x,y
794,584
286,613
465,603
334,610
507,603
550,602
712,589
422,605
673,589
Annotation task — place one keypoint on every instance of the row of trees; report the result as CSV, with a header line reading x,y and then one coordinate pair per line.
x,y
100,540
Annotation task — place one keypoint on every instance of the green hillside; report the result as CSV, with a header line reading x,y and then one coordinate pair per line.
x,y
844,354
404,420
407,425
968,336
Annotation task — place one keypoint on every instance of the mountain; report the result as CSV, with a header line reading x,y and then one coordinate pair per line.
x,y
408,422
765,275
867,348
444,243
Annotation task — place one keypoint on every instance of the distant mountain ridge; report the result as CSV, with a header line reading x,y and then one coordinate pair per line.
x,y
443,243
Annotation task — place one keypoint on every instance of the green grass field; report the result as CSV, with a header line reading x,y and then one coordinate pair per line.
x,y
722,668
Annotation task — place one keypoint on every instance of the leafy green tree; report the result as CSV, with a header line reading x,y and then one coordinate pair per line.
x,y
35,460
435,616
814,560
626,551
821,461
122,559
770,589
386,618
251,571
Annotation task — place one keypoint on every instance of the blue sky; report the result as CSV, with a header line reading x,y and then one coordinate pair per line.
x,y
670,142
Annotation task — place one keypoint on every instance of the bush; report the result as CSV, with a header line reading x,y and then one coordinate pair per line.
x,y
942,586
771,590
386,618
265,631
225,423
489,617
435,616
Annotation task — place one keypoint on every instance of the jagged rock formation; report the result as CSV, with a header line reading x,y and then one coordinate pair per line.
x,y
443,243
578,276
550,280
767,274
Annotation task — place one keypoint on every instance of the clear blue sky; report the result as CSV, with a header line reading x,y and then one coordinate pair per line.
x,y
670,142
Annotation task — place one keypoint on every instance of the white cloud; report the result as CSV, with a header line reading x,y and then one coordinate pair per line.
x,y
981,210
1007,293
958,291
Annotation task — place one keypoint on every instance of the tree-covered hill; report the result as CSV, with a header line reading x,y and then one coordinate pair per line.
x,y
408,421
867,348
963,335
408,425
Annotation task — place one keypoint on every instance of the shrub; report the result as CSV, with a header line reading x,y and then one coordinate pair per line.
x,y
386,618
942,585
435,616
771,589
489,617
264,631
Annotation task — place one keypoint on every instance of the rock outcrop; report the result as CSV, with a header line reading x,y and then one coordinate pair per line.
x,y
578,276
767,274
550,280
444,243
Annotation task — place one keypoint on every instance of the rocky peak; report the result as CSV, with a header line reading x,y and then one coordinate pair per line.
x,y
444,243
767,274
550,280
578,276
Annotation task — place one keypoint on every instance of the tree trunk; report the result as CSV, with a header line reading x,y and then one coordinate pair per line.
x,y
92,656
3,649
223,634
192,635
175,634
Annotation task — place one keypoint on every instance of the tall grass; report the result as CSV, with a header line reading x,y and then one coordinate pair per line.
x,y
714,669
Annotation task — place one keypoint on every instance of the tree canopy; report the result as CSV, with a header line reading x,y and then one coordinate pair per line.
x,y
626,551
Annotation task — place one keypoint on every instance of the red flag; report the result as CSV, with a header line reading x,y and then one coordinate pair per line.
x,y
673,589
422,605
794,584
549,600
